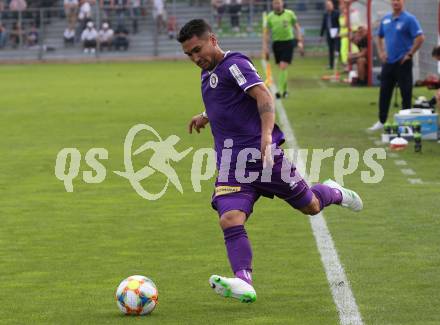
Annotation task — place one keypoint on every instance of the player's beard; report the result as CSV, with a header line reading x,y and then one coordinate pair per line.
x,y
205,64
212,64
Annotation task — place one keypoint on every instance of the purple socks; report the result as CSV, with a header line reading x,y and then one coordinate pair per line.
x,y
245,275
239,252
237,242
326,195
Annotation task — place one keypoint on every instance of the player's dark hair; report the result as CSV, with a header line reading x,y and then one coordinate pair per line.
x,y
195,27
436,51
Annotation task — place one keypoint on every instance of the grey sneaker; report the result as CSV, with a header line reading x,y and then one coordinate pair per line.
x,y
376,127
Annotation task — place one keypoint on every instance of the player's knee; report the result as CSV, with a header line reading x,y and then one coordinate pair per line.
x,y
232,218
315,209
312,208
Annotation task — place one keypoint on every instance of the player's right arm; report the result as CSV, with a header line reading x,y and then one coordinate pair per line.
x,y
380,43
381,49
198,122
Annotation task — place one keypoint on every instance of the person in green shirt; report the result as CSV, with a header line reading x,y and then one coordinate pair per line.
x,y
281,22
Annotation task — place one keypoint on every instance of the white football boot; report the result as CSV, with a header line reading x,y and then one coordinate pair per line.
x,y
233,288
350,199
376,127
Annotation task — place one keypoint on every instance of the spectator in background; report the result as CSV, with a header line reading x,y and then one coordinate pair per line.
x,y
85,13
436,53
399,38
159,15
89,37
121,11
32,36
33,13
436,56
343,32
3,36
234,9
17,7
105,37
218,7
45,4
135,13
2,8
107,7
433,81
16,35
69,37
172,27
330,27
360,39
120,40
71,11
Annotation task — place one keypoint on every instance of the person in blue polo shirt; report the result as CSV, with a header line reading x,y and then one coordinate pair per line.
x,y
403,36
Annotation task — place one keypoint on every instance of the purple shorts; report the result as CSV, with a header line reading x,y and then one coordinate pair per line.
x,y
233,195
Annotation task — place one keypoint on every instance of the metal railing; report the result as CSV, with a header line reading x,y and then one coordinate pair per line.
x,y
39,33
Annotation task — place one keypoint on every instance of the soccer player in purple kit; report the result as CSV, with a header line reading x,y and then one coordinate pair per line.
x,y
241,112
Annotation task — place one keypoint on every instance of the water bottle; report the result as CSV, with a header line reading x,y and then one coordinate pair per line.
x,y
417,142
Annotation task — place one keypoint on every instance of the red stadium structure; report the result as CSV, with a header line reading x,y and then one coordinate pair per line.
x,y
368,13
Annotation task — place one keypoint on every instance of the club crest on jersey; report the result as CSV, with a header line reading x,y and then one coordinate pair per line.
x,y
213,80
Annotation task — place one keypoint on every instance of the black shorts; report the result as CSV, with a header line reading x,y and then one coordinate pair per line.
x,y
283,50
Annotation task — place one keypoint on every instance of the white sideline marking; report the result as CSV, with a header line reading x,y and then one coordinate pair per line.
x,y
405,171
429,183
400,162
415,181
340,287
408,171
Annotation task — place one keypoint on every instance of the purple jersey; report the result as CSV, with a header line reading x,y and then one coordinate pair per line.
x,y
232,113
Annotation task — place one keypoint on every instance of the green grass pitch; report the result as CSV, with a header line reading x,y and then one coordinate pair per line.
x,y
63,254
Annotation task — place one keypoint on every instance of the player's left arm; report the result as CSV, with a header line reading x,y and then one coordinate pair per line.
x,y
266,109
198,122
418,42
417,33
